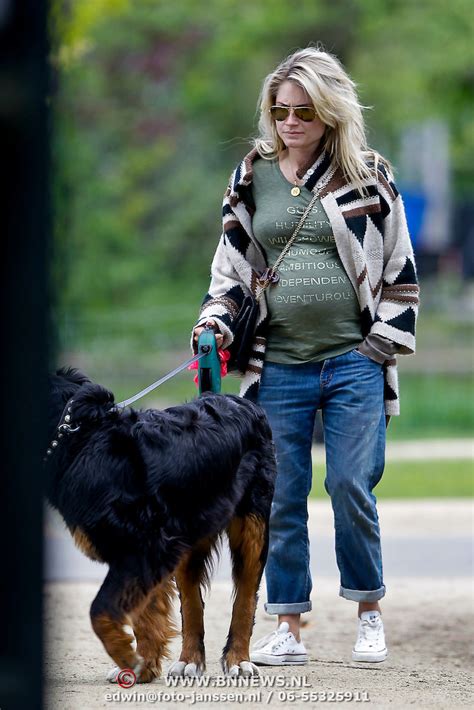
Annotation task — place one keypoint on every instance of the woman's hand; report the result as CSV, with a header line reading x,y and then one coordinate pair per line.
x,y
213,324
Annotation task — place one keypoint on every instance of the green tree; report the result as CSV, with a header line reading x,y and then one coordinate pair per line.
x,y
155,102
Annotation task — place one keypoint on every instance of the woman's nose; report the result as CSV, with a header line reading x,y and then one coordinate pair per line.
x,y
291,118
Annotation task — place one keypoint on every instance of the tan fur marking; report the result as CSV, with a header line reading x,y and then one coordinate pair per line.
x,y
84,544
117,642
154,627
246,538
192,609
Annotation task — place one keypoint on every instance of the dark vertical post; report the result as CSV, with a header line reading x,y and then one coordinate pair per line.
x,y
25,226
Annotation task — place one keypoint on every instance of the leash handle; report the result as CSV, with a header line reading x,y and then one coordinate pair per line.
x,y
209,371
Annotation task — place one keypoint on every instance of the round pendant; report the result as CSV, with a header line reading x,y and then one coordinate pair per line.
x,y
295,191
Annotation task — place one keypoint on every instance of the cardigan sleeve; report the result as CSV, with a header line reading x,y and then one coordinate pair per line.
x,y
396,313
226,291
225,295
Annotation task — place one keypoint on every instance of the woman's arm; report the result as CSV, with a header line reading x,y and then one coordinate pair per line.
x,y
396,313
224,298
378,348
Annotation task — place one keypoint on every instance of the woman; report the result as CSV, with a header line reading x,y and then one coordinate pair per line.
x,y
328,330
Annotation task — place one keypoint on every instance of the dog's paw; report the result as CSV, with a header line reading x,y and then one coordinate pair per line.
x,y
177,668
185,670
148,674
193,670
112,675
245,669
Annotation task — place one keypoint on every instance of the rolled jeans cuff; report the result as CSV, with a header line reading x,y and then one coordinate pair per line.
x,y
297,608
356,595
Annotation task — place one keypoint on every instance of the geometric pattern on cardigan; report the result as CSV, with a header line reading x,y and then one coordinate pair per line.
x,y
374,246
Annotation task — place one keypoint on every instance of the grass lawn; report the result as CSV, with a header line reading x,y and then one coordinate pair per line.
x,y
434,405
416,479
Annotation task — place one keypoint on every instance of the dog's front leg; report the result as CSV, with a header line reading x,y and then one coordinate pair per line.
x,y
119,596
154,627
248,542
189,575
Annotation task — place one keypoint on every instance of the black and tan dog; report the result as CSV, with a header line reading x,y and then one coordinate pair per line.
x,y
150,493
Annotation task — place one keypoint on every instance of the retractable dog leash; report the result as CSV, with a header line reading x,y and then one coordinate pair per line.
x,y
209,379
209,372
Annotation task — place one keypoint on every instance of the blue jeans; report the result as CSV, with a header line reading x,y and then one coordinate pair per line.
x,y
349,389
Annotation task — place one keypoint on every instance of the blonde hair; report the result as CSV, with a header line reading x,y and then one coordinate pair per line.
x,y
334,97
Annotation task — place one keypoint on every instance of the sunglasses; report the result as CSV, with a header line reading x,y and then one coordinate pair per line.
x,y
304,113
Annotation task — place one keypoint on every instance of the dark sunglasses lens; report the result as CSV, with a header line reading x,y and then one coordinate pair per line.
x,y
279,113
305,113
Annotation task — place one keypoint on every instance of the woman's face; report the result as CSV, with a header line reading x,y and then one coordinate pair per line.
x,y
294,132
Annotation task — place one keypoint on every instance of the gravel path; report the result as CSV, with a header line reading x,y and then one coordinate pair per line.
x,y
428,624
428,615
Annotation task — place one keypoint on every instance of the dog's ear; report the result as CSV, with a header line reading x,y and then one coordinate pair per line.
x,y
73,376
91,402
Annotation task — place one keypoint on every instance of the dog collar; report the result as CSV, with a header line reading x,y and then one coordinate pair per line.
x,y
65,426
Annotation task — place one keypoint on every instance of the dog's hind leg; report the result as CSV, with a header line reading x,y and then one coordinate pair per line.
x,y
248,540
154,628
119,597
190,574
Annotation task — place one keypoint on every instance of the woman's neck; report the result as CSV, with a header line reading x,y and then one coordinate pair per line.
x,y
299,160
297,157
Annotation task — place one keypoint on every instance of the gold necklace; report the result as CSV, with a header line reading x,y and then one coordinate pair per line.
x,y
295,190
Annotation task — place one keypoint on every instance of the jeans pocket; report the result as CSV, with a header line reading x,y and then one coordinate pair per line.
x,y
364,357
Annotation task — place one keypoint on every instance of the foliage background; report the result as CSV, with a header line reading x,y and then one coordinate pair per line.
x,y
154,104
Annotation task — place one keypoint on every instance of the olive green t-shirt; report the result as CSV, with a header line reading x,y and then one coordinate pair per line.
x,y
314,311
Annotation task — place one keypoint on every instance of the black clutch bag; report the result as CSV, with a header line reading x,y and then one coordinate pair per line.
x,y
243,327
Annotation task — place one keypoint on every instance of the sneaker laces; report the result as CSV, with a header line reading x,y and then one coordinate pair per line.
x,y
263,641
281,642
281,632
369,631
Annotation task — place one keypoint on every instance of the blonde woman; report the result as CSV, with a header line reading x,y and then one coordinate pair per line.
x,y
342,304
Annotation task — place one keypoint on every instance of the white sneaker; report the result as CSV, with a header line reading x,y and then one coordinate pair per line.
x,y
280,648
370,645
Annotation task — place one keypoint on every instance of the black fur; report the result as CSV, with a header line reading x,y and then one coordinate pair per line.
x,y
145,486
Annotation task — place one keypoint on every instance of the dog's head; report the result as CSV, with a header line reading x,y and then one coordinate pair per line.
x,y
91,401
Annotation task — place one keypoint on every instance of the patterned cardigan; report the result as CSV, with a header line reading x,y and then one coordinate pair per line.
x,y
371,237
